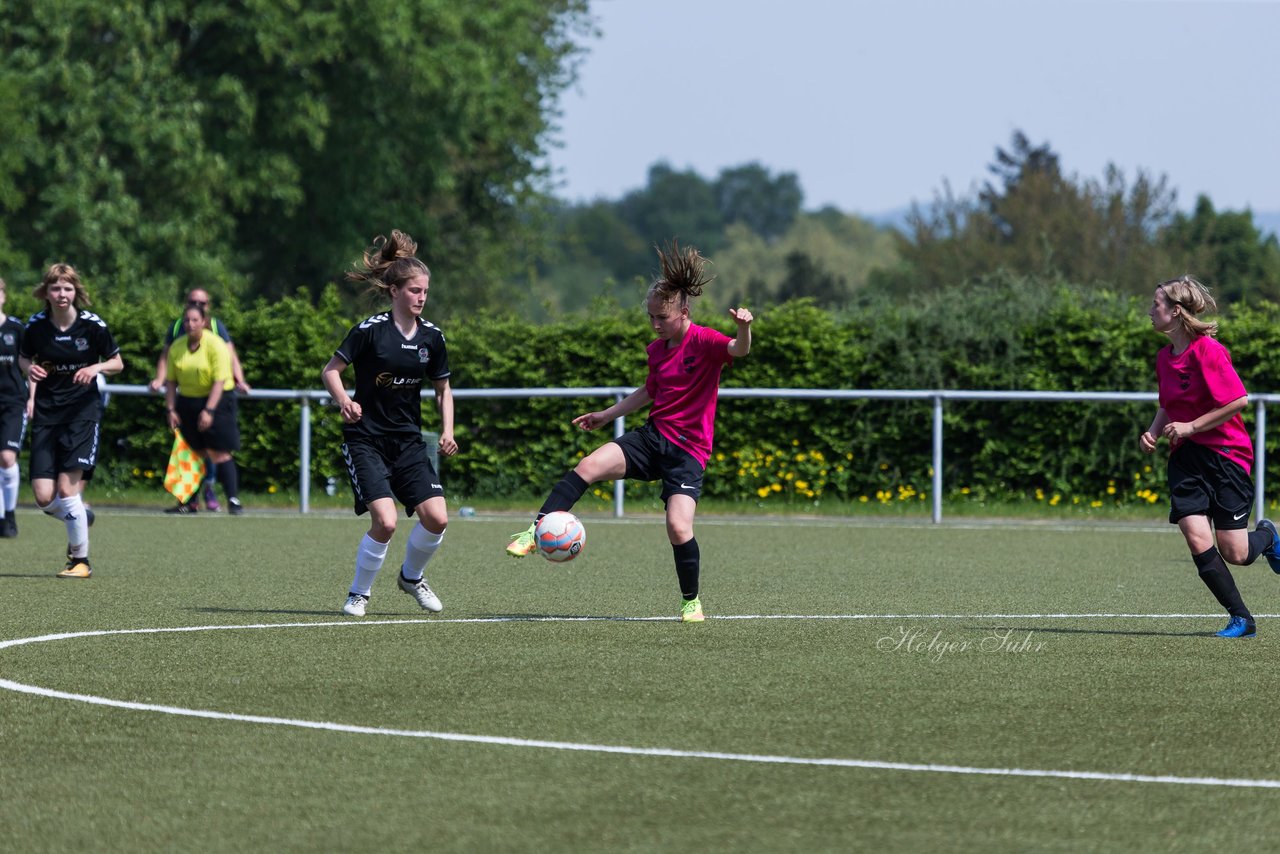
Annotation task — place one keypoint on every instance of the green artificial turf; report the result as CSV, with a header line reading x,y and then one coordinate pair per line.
x,y
908,646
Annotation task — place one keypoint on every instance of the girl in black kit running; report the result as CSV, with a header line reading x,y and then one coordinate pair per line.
x,y
64,351
13,415
393,353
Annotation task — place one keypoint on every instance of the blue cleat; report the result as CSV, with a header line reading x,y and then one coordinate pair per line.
x,y
1271,552
1238,627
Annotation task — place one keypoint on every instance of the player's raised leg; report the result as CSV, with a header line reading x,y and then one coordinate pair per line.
x,y
606,462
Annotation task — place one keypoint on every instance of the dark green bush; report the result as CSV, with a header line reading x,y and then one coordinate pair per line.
x,y
1003,334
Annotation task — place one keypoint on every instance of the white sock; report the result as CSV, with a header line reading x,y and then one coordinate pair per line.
x,y
369,558
418,551
9,489
71,512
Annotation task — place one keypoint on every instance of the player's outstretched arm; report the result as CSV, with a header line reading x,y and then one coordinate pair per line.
x,y
637,399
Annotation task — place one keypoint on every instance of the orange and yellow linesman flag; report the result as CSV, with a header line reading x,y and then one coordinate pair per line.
x,y
186,469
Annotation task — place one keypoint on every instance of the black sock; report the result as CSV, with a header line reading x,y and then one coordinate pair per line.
x,y
564,494
1259,542
688,565
229,476
1216,576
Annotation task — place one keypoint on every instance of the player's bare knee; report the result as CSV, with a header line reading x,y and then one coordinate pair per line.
x,y
433,523
382,530
1234,554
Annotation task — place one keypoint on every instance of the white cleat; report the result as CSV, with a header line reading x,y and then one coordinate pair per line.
x,y
355,605
421,592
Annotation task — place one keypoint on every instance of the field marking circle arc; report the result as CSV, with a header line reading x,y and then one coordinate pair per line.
x,y
506,741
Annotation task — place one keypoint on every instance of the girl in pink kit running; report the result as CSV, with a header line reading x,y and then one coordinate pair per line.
x,y
675,443
1210,488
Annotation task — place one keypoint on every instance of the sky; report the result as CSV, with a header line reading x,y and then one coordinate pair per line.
x,y
875,105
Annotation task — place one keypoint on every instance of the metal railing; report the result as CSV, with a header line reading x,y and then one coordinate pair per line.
x,y
306,397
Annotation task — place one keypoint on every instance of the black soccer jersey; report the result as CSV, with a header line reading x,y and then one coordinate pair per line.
x,y
88,341
13,387
389,372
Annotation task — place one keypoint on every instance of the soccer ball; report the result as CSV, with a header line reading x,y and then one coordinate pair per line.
x,y
560,536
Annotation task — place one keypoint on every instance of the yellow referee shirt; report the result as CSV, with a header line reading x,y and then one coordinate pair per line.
x,y
196,372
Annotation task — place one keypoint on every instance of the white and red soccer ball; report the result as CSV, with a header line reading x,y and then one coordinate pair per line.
x,y
560,536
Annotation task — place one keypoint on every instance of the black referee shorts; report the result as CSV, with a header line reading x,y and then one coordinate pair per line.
x,y
223,434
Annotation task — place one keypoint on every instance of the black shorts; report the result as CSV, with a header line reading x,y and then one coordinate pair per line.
x,y
390,467
58,448
13,426
223,434
1203,482
652,456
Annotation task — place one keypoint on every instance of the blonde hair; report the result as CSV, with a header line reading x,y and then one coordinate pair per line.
x,y
683,274
1191,295
57,273
389,263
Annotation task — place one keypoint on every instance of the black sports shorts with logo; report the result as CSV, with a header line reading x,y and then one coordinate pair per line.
x,y
1203,482
13,426
58,448
651,456
390,467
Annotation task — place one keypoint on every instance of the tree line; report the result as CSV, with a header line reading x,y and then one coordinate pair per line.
x,y
1031,219
254,148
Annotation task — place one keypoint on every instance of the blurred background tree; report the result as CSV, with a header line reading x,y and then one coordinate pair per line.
x,y
255,147
1035,220
765,249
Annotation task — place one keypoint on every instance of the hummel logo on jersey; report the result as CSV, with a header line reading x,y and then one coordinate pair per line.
x,y
436,486
1241,516
408,346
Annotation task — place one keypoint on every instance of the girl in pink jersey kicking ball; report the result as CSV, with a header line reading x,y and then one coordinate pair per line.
x,y
674,444
1210,488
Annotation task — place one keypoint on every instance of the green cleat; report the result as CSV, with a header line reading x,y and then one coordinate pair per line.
x,y
691,611
523,543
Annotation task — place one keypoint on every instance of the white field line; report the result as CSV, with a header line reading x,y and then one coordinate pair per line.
x,y
1166,779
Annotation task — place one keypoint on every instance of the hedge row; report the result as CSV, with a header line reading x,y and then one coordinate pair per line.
x,y
1005,334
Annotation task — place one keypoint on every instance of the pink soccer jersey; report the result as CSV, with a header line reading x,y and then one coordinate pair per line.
x,y
1199,380
683,382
